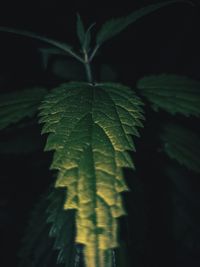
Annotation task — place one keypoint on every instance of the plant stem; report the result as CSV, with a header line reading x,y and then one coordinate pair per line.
x,y
88,72
87,67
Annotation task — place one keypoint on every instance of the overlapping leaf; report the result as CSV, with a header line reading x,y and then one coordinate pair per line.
x,y
84,36
23,139
21,144
115,26
48,219
175,94
90,128
62,228
16,106
182,145
186,205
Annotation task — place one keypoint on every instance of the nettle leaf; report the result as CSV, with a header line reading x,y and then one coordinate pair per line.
x,y
174,94
80,29
61,46
62,227
107,73
16,106
182,145
87,39
67,69
115,26
47,53
90,128
21,141
84,36
50,228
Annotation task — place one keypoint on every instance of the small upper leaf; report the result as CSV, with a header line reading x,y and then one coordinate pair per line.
x,y
18,105
175,94
84,36
182,145
87,40
60,45
90,128
115,26
80,29
46,55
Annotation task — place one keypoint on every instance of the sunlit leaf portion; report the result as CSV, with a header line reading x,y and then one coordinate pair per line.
x,y
16,106
50,228
90,130
115,26
182,145
175,94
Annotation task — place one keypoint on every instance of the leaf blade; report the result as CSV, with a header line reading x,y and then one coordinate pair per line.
x,y
16,106
21,141
173,93
182,145
50,217
80,29
115,26
62,46
90,153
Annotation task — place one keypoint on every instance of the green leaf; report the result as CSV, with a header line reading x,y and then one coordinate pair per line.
x,y
67,69
21,141
107,73
182,145
62,227
50,228
62,46
84,37
115,26
51,51
80,29
87,40
174,94
16,106
46,55
90,128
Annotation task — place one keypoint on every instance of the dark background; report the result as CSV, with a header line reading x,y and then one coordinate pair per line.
x,y
162,228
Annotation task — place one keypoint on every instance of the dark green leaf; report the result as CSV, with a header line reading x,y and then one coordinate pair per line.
x,y
68,69
185,197
21,141
16,106
87,40
50,228
175,94
80,29
182,145
46,54
51,51
115,26
107,74
90,128
58,44
84,36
